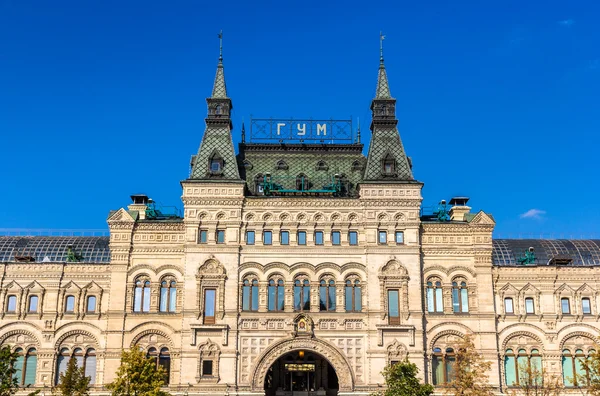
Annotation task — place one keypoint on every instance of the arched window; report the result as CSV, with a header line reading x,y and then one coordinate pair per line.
x,y
460,299
11,304
70,304
276,295
281,164
586,307
250,295
322,165
508,305
79,357
302,294
574,372
259,184
168,295
89,365
164,361
388,165
435,302
327,295
33,304
302,182
565,306
141,298
510,368
353,295
443,365
26,365
61,363
529,305
90,306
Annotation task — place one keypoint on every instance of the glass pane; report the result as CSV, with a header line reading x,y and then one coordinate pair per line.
x,y
357,298
271,297
585,305
203,236
322,298
267,237
439,303
382,237
430,302
508,305
220,236
70,305
33,304
250,237
306,298
332,298
209,303
536,369
348,299
285,238
173,299
301,237
255,298
464,299
246,298
393,308
137,304
509,370
91,304
455,301
450,362
146,302
438,371
567,366
30,368
207,367
318,237
580,370
522,367
529,308
280,299
335,237
19,367
297,298
61,364
399,237
565,305
164,295
353,237
90,367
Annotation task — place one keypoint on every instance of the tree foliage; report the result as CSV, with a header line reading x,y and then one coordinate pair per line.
x,y
401,380
591,379
73,382
138,376
470,370
535,381
8,380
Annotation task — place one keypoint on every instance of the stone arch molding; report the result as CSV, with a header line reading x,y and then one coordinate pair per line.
x,y
337,360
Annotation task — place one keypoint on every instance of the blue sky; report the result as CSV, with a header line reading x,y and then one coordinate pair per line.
x,y
497,100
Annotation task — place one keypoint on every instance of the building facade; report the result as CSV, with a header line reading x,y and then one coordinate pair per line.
x,y
297,268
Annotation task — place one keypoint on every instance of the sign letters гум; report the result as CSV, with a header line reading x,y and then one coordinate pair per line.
x,y
304,131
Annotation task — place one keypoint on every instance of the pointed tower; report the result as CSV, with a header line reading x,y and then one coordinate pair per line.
x,y
216,157
386,160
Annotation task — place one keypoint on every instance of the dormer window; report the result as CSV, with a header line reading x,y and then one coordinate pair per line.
x,y
215,164
356,165
218,109
322,165
281,164
389,165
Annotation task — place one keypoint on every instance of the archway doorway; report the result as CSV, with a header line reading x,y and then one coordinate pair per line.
x,y
301,373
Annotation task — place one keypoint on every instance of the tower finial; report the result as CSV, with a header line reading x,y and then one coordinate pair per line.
x,y
243,131
381,38
358,131
221,46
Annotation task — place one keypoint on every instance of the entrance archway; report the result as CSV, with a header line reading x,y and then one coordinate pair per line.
x,y
317,348
301,373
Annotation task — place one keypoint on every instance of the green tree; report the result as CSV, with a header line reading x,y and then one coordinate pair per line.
x,y
470,370
73,381
138,376
591,379
8,380
535,381
401,380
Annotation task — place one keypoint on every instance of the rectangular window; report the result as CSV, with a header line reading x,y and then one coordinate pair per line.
x,y
529,307
220,236
399,237
586,307
267,238
249,237
209,306
284,237
336,238
33,304
301,237
508,305
353,238
91,304
382,237
394,306
207,368
318,237
565,307
203,237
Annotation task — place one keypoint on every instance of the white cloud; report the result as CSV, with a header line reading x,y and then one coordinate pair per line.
x,y
533,214
566,22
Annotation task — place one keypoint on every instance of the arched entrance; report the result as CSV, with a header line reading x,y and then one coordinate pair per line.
x,y
302,373
320,351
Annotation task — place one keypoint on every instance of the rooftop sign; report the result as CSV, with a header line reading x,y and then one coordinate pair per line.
x,y
273,130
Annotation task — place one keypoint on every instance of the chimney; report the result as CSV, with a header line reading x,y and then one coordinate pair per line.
x,y
459,208
139,203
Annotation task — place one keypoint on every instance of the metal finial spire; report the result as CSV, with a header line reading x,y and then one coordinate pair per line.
x,y
358,131
381,38
243,132
221,46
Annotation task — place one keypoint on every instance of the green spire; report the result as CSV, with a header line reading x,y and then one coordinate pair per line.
x,y
219,88
383,88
